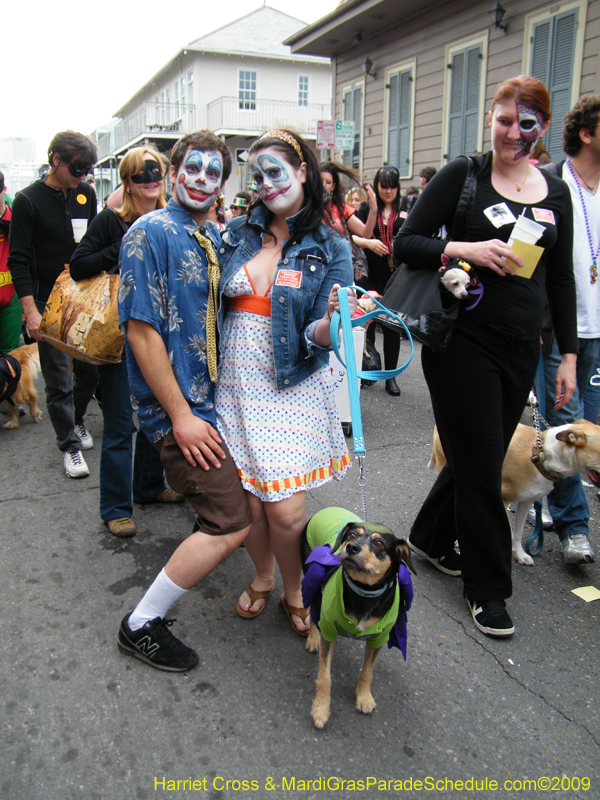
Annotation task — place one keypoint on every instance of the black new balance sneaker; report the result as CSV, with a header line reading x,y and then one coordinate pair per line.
x,y
491,617
155,644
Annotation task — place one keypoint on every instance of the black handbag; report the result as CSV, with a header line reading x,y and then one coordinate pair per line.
x,y
418,297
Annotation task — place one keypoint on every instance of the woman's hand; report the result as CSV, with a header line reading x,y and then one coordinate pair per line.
x,y
371,197
491,254
333,304
378,247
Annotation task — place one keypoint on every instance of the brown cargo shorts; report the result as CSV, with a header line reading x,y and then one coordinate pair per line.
x,y
216,495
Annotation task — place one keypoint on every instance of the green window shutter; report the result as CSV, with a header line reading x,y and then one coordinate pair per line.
x,y
399,121
357,117
353,110
552,60
464,102
348,114
392,150
456,105
472,84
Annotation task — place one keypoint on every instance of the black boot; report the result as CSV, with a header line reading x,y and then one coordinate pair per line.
x,y
392,387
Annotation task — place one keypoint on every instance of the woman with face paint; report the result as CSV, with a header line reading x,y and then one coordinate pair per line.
x,y
280,270
479,385
142,179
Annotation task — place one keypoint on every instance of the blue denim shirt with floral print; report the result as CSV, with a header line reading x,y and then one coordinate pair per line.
x,y
305,274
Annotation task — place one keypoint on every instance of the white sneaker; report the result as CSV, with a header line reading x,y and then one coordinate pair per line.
x,y
75,465
84,437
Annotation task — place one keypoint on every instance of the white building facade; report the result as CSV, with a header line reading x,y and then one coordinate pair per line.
x,y
238,81
18,162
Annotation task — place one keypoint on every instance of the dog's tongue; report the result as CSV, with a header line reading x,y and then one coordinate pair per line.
x,y
594,477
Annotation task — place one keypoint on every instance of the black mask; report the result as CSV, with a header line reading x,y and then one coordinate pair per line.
x,y
78,170
150,174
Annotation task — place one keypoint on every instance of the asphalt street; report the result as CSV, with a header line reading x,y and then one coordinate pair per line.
x,y
465,716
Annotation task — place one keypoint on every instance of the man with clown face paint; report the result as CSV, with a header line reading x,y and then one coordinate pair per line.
x,y
198,180
167,308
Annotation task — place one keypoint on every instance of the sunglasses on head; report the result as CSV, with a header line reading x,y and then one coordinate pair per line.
x,y
78,170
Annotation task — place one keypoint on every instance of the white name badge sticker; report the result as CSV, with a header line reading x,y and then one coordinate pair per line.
x,y
289,277
543,215
500,215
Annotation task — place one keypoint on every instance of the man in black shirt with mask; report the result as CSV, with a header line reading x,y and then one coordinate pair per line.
x,y
49,217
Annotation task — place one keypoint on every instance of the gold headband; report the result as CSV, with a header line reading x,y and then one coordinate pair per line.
x,y
285,137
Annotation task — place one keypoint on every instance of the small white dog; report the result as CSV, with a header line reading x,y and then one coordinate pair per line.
x,y
458,277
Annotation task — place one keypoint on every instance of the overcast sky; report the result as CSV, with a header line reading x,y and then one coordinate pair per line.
x,y
73,64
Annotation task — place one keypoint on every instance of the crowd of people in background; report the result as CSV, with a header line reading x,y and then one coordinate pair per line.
x,y
226,311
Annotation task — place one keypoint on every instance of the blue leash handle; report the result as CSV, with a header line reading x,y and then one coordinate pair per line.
x,y
343,316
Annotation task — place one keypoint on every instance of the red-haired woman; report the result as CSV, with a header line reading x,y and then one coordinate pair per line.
x,y
480,383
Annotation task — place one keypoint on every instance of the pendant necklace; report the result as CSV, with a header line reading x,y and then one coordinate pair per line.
x,y
592,189
593,255
518,185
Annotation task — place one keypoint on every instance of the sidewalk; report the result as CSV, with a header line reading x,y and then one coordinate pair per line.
x,y
80,720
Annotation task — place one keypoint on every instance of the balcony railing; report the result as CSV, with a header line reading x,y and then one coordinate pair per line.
x,y
251,117
155,118
105,145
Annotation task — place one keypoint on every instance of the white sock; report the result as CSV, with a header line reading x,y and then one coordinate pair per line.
x,y
156,602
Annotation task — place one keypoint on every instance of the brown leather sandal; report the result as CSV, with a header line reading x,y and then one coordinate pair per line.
x,y
298,612
254,596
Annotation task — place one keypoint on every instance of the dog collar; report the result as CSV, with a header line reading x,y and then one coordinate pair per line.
x,y
366,592
537,457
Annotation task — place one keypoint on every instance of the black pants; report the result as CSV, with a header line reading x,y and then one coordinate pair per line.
x,y
479,387
391,345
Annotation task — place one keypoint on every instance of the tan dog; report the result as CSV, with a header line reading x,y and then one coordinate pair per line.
x,y
28,358
566,450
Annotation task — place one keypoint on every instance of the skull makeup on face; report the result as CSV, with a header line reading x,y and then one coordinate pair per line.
x,y
278,183
198,180
530,125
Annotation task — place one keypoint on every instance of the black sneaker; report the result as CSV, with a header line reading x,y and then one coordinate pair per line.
x,y
491,617
450,564
155,644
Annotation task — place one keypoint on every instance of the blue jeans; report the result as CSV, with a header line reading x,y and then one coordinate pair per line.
x,y
118,475
591,396
567,502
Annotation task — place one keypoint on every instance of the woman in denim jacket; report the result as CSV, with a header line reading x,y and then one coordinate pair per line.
x,y
280,270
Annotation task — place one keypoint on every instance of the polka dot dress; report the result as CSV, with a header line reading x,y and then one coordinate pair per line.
x,y
281,441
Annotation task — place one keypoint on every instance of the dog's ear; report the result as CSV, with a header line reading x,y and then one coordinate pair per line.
x,y
403,551
341,537
572,437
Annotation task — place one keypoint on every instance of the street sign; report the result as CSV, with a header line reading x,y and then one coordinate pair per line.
x,y
326,134
344,134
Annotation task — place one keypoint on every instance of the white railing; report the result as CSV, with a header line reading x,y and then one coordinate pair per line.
x,y
230,114
153,118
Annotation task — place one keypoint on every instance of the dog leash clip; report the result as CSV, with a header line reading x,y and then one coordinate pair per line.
x,y
362,483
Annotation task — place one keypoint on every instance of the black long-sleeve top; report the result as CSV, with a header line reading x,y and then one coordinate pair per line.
x,y
98,251
41,234
513,306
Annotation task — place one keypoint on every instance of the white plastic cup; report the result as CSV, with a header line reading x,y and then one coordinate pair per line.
x,y
79,228
526,230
